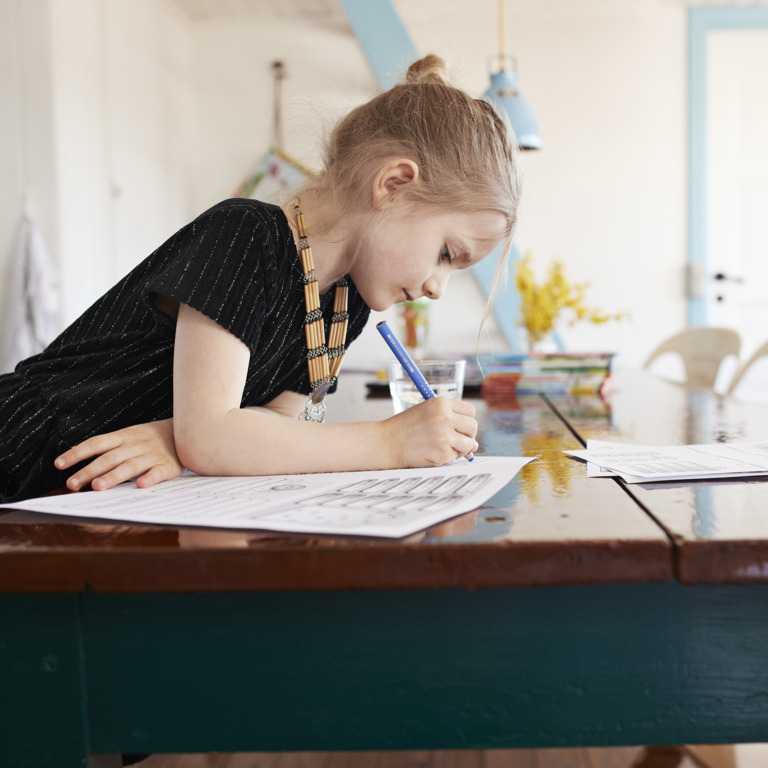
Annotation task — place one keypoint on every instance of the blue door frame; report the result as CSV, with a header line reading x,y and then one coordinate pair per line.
x,y
702,21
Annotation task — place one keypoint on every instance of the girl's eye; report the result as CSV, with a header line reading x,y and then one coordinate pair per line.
x,y
445,255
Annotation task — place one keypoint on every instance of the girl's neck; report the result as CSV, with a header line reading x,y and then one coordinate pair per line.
x,y
331,251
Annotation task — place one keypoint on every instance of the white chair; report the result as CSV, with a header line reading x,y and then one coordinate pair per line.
x,y
702,351
760,352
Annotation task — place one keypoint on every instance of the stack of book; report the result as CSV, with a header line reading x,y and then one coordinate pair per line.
x,y
558,373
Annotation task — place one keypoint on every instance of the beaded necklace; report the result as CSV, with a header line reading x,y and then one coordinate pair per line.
x,y
324,362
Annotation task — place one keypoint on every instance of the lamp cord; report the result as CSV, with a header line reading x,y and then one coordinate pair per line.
x,y
501,29
278,72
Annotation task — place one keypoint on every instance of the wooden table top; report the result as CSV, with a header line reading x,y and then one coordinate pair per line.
x,y
550,525
719,528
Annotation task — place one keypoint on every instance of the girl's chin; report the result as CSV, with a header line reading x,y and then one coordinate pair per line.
x,y
379,304
380,301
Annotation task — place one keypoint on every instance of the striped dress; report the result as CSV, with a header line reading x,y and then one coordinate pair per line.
x,y
236,263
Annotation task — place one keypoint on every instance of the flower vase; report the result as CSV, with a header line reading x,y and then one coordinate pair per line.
x,y
414,316
541,345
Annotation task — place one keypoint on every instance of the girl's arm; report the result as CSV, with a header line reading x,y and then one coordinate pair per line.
x,y
215,436
144,451
272,440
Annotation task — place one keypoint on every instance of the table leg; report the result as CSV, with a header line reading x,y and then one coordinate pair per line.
x,y
42,699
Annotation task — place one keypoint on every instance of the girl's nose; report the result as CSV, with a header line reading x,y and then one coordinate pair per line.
x,y
435,285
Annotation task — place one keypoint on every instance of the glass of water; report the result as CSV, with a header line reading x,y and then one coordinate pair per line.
x,y
446,377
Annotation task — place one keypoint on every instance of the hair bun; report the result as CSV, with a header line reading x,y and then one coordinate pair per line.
x,y
431,68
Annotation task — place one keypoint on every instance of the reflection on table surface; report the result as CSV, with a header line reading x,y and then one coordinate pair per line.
x,y
721,527
550,524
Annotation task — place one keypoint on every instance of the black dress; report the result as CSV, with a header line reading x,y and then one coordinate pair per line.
x,y
236,263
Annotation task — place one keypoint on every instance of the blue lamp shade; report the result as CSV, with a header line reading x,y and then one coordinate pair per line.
x,y
507,98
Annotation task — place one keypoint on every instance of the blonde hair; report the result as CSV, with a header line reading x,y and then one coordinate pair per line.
x,y
466,152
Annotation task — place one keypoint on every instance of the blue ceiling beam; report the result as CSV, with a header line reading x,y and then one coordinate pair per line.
x,y
383,38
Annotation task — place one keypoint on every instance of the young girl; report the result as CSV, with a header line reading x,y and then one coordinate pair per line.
x,y
216,351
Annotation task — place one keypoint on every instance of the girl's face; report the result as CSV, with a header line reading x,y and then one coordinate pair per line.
x,y
408,255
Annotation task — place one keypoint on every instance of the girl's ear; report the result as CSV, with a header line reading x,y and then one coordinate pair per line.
x,y
391,177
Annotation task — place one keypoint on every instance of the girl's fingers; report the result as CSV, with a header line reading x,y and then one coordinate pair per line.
x,y
111,468
119,474
99,444
147,470
105,482
463,407
145,451
466,425
434,432
155,475
86,474
463,440
465,445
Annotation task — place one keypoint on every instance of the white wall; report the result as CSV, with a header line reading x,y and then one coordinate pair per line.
x,y
26,127
327,75
607,193
150,123
95,121
123,118
155,115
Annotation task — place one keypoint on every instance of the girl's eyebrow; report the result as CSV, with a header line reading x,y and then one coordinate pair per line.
x,y
462,252
462,259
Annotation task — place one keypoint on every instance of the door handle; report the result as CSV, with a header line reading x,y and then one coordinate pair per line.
x,y
722,277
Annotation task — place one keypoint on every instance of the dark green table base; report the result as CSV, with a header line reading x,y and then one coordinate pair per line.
x,y
414,669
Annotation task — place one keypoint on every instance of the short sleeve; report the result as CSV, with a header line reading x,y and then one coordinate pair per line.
x,y
220,265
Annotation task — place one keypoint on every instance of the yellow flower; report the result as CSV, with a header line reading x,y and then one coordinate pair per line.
x,y
542,304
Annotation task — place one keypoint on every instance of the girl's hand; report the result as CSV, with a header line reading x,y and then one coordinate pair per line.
x,y
432,433
146,451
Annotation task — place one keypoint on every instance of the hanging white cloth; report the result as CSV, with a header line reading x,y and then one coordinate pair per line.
x,y
31,319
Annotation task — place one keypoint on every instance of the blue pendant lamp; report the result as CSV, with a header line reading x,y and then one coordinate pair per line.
x,y
505,95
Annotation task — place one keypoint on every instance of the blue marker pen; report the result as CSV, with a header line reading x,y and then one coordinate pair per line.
x,y
409,366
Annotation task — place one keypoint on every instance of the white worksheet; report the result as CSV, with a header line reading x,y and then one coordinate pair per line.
x,y
383,503
654,463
